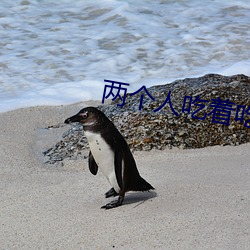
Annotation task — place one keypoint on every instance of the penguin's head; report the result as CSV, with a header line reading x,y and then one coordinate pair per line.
x,y
88,117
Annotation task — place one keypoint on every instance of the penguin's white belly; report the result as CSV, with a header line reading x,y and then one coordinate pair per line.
x,y
104,157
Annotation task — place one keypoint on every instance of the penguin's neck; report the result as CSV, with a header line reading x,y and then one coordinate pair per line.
x,y
93,128
91,135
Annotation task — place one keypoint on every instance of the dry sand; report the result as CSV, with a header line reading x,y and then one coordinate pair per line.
x,y
201,201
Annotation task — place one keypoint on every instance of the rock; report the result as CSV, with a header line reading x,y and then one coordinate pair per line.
x,y
146,129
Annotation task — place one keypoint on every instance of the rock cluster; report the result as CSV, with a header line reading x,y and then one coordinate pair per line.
x,y
146,129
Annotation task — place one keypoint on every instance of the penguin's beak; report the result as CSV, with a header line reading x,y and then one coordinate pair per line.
x,y
74,118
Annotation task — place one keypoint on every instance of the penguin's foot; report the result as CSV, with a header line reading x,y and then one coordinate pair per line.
x,y
111,193
113,204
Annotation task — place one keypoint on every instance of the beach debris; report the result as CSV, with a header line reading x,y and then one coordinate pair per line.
x,y
60,125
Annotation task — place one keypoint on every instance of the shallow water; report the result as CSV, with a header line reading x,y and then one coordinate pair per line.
x,y
60,52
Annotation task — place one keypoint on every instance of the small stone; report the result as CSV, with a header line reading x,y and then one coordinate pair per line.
x,y
181,133
147,140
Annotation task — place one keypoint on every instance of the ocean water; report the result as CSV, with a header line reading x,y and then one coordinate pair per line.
x,y
60,52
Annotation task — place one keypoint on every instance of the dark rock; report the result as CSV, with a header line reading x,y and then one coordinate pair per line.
x,y
146,129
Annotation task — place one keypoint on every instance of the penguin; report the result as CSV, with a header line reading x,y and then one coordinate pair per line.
x,y
110,152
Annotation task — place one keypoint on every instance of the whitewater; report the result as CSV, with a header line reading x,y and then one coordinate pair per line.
x,y
60,52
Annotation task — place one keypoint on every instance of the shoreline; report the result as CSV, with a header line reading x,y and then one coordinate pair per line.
x,y
201,198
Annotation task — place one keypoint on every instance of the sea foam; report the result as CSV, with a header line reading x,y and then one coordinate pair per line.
x,y
60,52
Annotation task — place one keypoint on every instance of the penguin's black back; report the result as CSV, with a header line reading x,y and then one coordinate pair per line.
x,y
132,180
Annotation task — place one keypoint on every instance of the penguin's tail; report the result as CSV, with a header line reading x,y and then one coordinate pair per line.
x,y
141,185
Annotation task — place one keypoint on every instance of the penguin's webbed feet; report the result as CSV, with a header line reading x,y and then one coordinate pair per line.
x,y
111,193
113,204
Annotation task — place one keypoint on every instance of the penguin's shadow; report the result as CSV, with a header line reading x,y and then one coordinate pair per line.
x,y
137,198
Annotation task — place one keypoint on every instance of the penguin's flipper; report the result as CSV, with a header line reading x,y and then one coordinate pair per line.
x,y
111,193
118,166
93,167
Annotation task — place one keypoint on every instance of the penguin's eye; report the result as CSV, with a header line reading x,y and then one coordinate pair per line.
x,y
84,115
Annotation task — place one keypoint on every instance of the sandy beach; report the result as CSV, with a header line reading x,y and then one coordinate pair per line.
x,y
201,198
